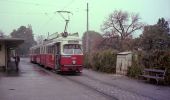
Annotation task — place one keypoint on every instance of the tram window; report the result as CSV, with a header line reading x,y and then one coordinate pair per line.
x,y
68,49
77,51
72,49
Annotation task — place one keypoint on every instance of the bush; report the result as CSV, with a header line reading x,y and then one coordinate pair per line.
x,y
159,59
86,61
104,61
135,69
156,59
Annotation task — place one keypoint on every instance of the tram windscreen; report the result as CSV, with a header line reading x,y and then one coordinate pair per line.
x,y
72,49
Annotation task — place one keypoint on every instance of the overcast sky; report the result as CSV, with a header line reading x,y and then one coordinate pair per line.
x,y
40,13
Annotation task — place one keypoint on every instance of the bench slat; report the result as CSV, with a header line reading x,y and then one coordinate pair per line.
x,y
154,70
153,77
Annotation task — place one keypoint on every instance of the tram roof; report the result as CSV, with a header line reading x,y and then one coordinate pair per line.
x,y
57,40
68,38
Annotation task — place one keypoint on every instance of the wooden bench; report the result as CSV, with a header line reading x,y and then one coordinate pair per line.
x,y
156,74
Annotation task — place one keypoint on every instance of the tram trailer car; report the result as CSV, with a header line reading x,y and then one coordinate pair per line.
x,y
62,54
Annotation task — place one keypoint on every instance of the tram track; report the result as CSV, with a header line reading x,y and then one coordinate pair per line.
x,y
75,79
68,77
110,97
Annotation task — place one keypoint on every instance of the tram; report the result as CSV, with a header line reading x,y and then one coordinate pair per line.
x,y
60,53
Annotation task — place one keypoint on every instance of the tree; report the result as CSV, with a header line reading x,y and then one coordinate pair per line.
x,y
156,36
1,34
122,24
93,39
26,34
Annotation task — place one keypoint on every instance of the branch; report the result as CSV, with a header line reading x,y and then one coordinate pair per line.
x,y
134,20
115,27
134,29
121,26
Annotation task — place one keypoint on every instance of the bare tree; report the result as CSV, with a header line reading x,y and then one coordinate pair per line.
x,y
122,24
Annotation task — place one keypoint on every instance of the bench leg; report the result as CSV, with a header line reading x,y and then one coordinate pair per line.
x,y
157,82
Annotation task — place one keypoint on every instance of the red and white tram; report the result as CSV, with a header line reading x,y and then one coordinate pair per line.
x,y
61,54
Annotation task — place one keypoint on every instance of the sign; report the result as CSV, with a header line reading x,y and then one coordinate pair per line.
x,y
73,41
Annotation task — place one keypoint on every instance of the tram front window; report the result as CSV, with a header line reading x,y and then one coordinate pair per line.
x,y
72,49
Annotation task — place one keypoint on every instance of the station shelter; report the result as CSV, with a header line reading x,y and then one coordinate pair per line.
x,y
7,46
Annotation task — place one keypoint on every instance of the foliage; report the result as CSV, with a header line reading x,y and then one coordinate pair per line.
x,y
26,34
135,69
86,61
156,36
93,38
156,59
104,61
109,43
1,34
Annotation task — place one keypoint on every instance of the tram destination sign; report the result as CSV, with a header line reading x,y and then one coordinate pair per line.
x,y
73,41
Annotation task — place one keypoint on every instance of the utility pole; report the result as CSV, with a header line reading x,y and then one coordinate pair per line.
x,y
87,17
87,40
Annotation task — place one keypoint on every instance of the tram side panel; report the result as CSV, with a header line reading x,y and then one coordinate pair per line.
x,y
43,59
49,61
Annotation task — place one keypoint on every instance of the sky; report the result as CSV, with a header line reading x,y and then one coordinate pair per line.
x,y
42,16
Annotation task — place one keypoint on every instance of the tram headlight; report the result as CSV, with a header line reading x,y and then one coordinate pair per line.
x,y
73,62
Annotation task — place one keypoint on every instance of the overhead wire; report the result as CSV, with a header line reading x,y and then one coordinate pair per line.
x,y
26,3
38,5
51,18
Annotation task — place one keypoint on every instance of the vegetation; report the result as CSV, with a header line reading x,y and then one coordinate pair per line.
x,y
156,37
135,69
151,48
104,61
155,45
122,24
1,34
26,34
93,38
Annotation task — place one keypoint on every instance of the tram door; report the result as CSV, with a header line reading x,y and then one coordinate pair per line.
x,y
58,55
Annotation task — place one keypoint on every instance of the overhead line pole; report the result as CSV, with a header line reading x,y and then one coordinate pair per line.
x,y
87,40
87,17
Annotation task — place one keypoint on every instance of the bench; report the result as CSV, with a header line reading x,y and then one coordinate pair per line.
x,y
156,74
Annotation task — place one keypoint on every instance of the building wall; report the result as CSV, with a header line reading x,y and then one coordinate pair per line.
x,y
2,54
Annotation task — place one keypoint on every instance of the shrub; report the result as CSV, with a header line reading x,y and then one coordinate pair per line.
x,y
104,61
135,69
86,61
159,59
156,59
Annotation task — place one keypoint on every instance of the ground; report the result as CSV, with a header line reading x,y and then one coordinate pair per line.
x,y
33,82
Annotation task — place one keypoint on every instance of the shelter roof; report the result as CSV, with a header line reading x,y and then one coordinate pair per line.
x,y
11,42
